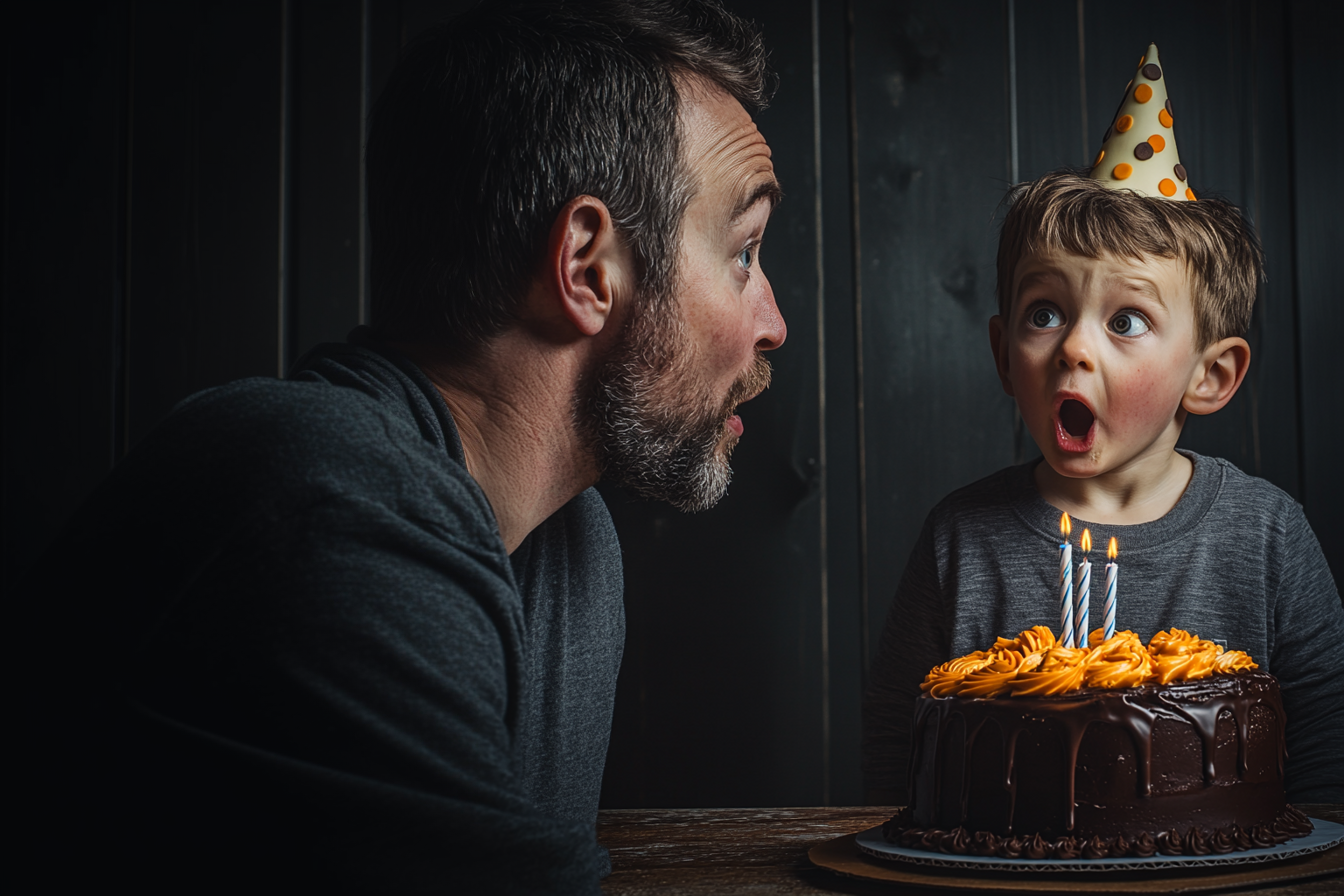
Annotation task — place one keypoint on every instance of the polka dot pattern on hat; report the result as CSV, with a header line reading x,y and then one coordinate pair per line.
x,y
1142,134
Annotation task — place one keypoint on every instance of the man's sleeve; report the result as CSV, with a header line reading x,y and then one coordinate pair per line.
x,y
914,639
1308,660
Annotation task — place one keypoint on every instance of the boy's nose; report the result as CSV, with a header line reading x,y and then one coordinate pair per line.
x,y
1075,350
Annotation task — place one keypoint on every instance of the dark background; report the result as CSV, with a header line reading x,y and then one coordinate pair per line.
x,y
182,207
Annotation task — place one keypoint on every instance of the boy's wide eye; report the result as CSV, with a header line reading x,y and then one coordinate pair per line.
x,y
1045,317
1129,323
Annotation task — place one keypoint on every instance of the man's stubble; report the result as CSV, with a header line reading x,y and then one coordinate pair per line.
x,y
650,420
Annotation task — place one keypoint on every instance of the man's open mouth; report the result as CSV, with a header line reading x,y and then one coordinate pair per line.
x,y
1074,425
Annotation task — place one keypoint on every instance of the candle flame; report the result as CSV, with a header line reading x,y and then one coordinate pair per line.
x,y
1065,525
1087,540
1112,551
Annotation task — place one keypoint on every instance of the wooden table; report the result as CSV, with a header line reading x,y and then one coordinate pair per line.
x,y
758,851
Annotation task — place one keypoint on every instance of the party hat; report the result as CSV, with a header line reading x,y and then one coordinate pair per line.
x,y
1139,150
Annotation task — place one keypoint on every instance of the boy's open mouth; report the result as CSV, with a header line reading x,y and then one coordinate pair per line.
x,y
1074,425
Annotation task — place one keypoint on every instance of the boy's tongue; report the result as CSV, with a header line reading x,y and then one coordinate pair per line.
x,y
1076,418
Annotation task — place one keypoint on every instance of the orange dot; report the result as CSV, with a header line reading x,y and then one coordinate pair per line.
x,y
1122,171
1190,194
1167,187
1124,123
1165,118
1143,93
1157,143
1101,155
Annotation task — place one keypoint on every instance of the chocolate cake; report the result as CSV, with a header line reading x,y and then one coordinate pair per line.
x,y
1190,766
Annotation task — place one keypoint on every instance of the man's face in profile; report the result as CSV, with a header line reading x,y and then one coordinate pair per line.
x,y
661,412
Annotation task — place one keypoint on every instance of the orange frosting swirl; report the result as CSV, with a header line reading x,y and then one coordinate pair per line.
x,y
1035,663
1119,662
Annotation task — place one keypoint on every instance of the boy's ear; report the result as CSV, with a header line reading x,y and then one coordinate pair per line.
x,y
998,344
587,265
1222,367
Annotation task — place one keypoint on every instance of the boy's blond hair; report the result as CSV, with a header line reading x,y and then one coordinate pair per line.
x,y
1066,211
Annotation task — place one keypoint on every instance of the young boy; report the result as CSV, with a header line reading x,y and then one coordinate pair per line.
x,y
1122,304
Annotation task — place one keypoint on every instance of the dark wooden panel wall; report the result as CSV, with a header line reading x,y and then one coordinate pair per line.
x,y
183,207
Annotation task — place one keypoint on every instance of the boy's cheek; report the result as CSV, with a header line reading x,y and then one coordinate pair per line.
x,y
1143,401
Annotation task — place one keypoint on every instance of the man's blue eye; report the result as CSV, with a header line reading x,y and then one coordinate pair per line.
x,y
1045,317
1129,323
746,257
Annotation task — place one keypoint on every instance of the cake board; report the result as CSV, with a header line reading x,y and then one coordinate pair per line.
x,y
843,856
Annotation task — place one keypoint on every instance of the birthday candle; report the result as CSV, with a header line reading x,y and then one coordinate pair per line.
x,y
1066,583
1112,573
1084,589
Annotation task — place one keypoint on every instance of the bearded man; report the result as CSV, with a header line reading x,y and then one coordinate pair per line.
x,y
372,615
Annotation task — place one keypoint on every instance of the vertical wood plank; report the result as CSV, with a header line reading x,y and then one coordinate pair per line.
x,y
933,159
1317,113
845,654
64,206
1049,81
328,140
204,217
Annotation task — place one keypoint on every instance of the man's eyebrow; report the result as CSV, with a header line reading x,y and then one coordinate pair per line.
x,y
768,190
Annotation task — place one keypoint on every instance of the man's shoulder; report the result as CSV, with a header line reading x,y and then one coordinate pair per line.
x,y
272,447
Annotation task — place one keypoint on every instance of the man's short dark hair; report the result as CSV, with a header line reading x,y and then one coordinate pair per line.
x,y
494,120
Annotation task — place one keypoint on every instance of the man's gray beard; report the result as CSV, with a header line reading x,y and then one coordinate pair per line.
x,y
661,443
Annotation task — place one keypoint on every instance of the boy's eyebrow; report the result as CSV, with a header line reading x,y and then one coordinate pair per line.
x,y
1141,286
1033,278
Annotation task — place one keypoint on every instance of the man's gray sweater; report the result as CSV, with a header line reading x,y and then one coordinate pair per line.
x,y
283,649
1234,560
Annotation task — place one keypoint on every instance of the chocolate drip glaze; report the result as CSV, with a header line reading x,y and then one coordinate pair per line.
x,y
1093,767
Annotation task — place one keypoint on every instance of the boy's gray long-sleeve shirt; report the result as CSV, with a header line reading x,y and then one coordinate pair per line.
x,y
1234,560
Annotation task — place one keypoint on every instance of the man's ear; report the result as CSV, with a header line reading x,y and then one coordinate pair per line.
x,y
1222,367
587,264
998,344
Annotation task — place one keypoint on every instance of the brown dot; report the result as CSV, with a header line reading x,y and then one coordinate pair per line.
x,y
1124,123
1167,187
1122,171
1164,117
1190,194
1143,152
1101,155
1152,72
1157,143
1168,106
1143,93
1180,171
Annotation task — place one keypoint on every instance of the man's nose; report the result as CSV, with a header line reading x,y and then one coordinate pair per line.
x,y
1076,349
770,326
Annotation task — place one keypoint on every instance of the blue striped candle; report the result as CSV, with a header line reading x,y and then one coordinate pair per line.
x,y
1112,573
1066,583
1080,614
